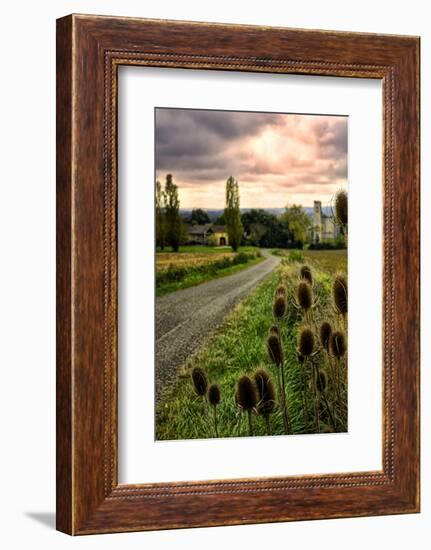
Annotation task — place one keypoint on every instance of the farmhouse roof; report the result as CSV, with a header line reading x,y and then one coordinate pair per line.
x,y
218,229
198,229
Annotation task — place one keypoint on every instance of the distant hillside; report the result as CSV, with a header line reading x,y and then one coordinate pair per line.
x,y
216,213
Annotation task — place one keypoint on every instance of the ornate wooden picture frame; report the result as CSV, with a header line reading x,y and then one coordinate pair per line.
x,y
89,51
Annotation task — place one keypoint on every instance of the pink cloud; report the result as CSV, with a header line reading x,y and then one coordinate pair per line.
x,y
277,158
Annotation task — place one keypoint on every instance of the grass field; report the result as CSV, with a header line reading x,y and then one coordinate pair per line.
x,y
239,347
330,261
186,259
194,265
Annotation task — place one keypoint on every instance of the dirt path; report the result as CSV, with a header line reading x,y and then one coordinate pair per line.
x,y
186,317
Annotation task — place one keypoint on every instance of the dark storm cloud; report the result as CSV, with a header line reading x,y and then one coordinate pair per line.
x,y
269,153
333,138
194,141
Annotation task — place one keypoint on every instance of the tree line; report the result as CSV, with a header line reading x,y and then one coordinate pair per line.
x,y
266,230
256,227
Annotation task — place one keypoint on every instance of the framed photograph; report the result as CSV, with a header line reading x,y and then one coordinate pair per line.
x,y
237,274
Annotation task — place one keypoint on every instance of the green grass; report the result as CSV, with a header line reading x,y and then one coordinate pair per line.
x,y
240,347
291,256
199,278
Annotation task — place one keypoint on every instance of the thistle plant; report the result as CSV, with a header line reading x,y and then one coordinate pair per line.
x,y
200,381
341,210
214,398
338,344
305,352
339,293
275,350
266,396
304,299
279,306
246,398
306,342
305,273
325,333
200,386
320,348
280,291
273,330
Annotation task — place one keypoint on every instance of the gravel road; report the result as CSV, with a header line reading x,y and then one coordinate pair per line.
x,y
185,318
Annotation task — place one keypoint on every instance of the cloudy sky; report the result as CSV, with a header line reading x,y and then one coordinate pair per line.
x,y
277,158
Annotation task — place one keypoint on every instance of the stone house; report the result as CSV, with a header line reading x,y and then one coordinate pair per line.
x,y
208,234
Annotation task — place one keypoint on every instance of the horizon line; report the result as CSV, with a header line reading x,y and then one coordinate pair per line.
x,y
248,207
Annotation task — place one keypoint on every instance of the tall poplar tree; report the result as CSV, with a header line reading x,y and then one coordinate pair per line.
x,y
232,213
160,216
174,225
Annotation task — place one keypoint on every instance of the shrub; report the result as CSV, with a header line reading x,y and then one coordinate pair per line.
x,y
295,256
242,258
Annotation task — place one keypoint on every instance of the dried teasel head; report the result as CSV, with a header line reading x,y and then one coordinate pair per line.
x,y
200,381
306,342
275,350
339,292
320,380
304,296
274,330
305,273
214,395
265,392
341,208
281,291
279,306
325,334
338,344
246,396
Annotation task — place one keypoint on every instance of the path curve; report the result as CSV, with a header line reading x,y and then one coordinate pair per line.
x,y
185,318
